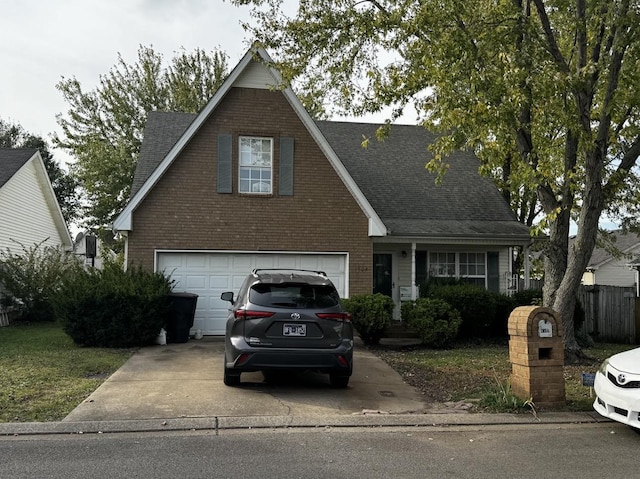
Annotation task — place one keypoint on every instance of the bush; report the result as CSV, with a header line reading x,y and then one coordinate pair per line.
x,y
112,307
435,321
31,278
476,305
371,315
528,297
499,327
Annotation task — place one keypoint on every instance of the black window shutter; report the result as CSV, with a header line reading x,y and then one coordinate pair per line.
x,y
493,271
225,173
285,180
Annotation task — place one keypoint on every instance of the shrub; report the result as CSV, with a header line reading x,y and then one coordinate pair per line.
x,y
528,297
435,282
371,315
31,278
476,305
435,321
112,307
499,327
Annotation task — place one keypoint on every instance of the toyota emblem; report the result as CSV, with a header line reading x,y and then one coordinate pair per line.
x,y
295,316
622,378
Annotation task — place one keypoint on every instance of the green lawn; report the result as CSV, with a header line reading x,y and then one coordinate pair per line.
x,y
479,374
44,375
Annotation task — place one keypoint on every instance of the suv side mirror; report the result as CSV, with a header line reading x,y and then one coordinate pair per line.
x,y
227,296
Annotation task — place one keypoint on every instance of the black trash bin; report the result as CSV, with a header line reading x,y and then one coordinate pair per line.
x,y
182,310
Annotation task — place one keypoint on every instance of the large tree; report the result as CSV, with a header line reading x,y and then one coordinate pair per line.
x,y
103,127
544,91
13,135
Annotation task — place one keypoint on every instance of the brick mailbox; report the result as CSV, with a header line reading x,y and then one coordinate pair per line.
x,y
536,351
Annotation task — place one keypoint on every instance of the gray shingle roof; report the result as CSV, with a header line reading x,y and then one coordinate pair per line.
x,y
161,132
391,175
622,241
11,160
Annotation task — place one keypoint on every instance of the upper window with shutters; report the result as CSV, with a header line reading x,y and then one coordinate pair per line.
x,y
256,165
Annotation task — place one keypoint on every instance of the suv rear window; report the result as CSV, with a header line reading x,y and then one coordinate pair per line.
x,y
293,296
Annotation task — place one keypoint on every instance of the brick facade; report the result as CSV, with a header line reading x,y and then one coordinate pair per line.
x,y
184,211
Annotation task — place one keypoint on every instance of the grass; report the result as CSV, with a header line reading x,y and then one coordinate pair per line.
x,y
479,374
44,375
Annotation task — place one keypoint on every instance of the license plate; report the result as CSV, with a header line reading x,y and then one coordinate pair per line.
x,y
294,330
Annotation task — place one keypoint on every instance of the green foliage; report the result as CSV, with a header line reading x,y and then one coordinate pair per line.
x,y
371,315
103,127
546,94
436,322
528,297
502,400
64,185
113,308
478,308
32,277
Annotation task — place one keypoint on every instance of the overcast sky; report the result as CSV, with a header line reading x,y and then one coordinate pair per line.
x,y
42,41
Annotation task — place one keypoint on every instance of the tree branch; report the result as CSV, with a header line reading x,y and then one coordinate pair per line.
x,y
552,45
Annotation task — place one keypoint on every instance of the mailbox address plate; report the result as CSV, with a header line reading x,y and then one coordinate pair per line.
x,y
545,329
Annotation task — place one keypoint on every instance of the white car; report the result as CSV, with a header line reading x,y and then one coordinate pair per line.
x,y
617,387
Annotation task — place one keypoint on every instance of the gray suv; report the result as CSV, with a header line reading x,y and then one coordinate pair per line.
x,y
287,320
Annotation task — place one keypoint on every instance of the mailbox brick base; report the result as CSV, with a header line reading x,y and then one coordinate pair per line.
x,y
537,363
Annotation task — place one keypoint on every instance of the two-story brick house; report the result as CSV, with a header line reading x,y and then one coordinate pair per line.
x,y
252,181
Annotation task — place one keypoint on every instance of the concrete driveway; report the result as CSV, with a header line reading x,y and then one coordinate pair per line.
x,y
185,381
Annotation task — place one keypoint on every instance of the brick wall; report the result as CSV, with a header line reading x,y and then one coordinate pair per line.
x,y
537,363
184,210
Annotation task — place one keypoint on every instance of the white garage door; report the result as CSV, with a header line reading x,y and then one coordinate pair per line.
x,y
210,274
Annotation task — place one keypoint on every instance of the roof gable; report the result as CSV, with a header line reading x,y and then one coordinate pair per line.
x,y
31,188
388,179
252,73
626,242
11,160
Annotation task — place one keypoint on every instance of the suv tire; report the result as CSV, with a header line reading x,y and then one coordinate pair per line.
x,y
231,379
338,381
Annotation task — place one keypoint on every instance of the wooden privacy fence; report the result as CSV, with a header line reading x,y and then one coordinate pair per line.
x,y
611,313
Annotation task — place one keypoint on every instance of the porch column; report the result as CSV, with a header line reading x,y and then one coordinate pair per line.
x,y
527,268
414,287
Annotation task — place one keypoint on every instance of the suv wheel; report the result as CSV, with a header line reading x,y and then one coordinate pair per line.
x,y
230,378
338,381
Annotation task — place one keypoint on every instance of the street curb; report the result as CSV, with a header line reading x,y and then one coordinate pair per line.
x,y
218,423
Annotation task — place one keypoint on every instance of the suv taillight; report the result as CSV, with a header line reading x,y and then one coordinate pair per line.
x,y
335,316
250,314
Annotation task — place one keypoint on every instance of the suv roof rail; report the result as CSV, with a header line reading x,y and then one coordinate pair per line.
x,y
287,270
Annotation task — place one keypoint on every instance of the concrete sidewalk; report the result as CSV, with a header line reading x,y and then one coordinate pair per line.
x,y
179,387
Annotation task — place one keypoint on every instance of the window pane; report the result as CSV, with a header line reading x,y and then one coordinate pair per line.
x,y
255,165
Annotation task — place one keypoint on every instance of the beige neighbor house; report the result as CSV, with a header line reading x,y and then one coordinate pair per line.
x,y
29,210
252,181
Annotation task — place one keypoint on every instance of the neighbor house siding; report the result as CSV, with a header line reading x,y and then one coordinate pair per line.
x,y
25,215
615,273
184,211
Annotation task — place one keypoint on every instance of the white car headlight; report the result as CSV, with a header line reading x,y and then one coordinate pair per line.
x,y
603,367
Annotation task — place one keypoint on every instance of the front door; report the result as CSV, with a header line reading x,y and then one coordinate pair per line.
x,y
382,274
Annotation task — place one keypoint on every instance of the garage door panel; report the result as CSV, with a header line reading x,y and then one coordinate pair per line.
x,y
197,261
196,282
220,262
210,274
